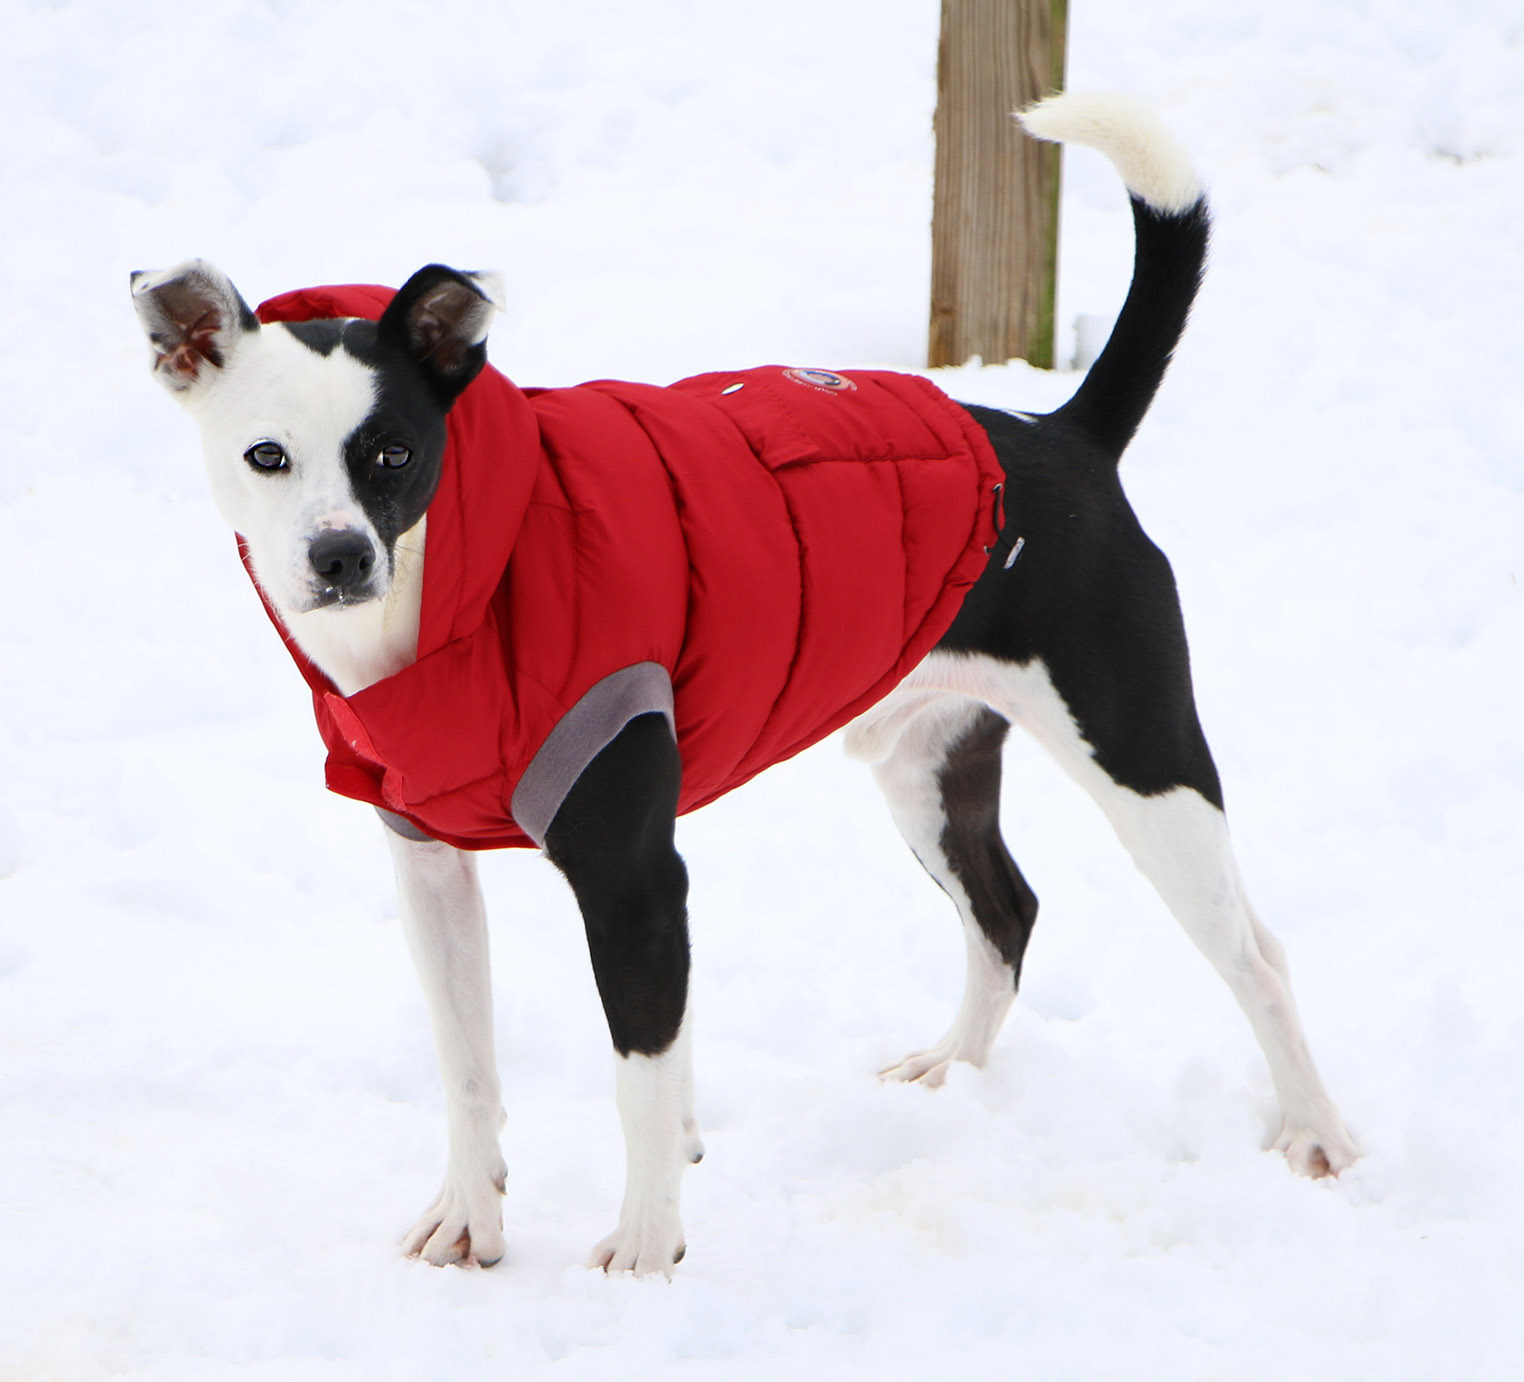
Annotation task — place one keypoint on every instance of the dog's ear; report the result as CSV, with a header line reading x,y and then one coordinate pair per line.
x,y
194,319
439,319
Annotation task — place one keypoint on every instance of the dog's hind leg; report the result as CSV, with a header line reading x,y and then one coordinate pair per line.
x,y
1180,843
1146,764
613,839
446,927
938,765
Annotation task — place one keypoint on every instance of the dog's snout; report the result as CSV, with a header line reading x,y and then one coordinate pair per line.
x,y
343,559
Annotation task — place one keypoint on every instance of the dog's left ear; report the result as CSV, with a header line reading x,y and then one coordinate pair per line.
x,y
439,318
194,318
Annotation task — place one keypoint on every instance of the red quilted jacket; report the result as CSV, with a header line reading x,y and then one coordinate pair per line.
x,y
761,555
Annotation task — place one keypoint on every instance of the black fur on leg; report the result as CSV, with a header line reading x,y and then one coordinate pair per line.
x,y
1004,906
613,839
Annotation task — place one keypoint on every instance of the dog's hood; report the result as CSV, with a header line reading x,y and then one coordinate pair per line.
x,y
761,555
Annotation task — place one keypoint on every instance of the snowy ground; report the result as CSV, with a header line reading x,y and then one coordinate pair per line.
x,y
218,1107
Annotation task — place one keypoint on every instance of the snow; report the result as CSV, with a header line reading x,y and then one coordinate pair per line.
x,y
218,1105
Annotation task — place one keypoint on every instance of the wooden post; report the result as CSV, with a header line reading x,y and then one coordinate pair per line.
x,y
994,223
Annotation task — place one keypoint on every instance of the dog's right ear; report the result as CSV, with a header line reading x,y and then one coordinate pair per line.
x,y
194,319
439,319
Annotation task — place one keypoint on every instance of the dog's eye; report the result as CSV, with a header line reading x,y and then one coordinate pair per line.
x,y
266,455
393,457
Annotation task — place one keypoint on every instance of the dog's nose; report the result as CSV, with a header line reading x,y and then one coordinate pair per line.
x,y
343,558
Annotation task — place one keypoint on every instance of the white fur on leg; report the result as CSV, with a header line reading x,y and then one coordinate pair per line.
x,y
655,1098
446,927
911,741
1180,842
989,990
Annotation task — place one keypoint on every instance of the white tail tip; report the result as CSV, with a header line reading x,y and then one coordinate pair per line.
x,y
1152,162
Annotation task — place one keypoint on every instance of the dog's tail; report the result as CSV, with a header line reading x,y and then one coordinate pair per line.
x,y
1172,226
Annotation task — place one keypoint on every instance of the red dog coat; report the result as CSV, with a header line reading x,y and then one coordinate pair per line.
x,y
760,555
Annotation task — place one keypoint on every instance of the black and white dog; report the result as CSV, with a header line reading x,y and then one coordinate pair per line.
x,y
1080,641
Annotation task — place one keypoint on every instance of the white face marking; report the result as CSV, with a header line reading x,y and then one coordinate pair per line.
x,y
276,389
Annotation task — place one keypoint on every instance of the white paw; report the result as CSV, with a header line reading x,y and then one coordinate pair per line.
x,y
1317,1154
464,1225
645,1248
924,1067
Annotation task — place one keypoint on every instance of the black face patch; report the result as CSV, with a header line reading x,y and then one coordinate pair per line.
x,y
320,336
406,415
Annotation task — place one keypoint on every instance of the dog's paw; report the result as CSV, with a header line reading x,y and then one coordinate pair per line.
x,y
463,1226
1316,1153
644,1248
923,1067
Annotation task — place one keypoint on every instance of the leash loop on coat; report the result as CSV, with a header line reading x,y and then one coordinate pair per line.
x,y
1016,545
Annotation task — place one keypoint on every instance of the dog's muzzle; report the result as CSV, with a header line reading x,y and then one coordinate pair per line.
x,y
343,562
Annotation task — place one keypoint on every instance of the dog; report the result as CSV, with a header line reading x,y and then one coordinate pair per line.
x,y
325,442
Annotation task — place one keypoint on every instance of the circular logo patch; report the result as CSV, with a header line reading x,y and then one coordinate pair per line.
x,y
823,379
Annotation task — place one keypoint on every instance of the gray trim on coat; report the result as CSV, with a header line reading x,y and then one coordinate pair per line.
x,y
400,825
581,735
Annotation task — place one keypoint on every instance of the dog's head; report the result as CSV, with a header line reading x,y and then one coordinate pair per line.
x,y
323,439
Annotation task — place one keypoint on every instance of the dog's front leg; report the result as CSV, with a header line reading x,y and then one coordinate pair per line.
x,y
446,927
613,839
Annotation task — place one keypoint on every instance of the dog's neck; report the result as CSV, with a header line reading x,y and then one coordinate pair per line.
x,y
357,646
